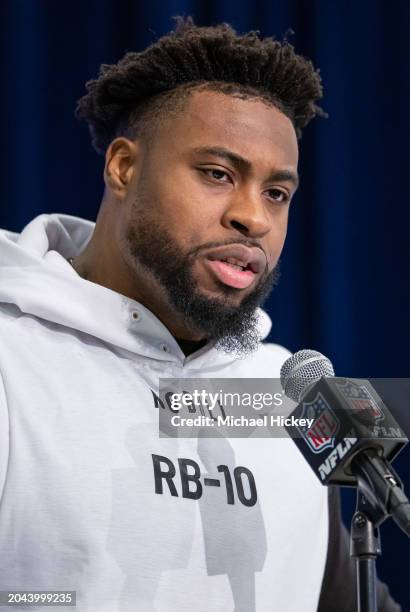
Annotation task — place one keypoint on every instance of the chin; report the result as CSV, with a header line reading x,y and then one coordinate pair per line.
x,y
223,294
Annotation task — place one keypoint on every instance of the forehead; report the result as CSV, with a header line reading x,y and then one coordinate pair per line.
x,y
250,127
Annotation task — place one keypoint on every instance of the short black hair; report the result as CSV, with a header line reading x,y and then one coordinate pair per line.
x,y
147,84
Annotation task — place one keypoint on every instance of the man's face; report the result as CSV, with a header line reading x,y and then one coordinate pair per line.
x,y
208,213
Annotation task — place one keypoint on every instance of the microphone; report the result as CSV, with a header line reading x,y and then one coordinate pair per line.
x,y
353,436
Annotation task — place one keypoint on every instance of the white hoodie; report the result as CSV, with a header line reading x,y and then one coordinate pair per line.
x,y
79,446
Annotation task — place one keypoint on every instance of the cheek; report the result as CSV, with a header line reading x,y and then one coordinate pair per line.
x,y
182,200
277,236
188,212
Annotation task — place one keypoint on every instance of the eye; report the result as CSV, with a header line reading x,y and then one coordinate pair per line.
x,y
279,195
217,174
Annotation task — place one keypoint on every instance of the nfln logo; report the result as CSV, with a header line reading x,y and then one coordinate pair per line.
x,y
360,399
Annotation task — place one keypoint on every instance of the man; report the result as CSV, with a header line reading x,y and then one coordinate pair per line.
x,y
199,134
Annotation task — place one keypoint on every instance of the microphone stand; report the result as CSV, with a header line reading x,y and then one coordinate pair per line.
x,y
372,509
365,547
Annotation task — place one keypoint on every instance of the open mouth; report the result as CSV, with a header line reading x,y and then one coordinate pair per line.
x,y
239,276
236,265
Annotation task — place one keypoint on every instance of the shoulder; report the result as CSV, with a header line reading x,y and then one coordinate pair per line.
x,y
4,435
11,318
9,313
274,351
269,358
265,362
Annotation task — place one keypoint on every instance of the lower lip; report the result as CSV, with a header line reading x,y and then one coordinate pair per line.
x,y
233,277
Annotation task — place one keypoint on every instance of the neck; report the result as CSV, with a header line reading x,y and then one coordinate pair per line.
x,y
190,346
102,263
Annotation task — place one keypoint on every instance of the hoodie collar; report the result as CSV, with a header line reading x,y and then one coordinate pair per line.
x,y
35,275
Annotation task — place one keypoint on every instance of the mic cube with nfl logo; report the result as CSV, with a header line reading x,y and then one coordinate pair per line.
x,y
337,418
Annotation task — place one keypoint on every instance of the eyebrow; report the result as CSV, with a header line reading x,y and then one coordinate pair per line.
x,y
244,164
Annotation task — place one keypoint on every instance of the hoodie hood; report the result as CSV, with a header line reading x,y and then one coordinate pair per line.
x,y
36,277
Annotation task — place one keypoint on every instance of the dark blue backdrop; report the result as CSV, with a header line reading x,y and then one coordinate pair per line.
x,y
344,270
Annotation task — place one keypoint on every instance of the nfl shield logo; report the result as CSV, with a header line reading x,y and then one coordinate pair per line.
x,y
360,398
325,425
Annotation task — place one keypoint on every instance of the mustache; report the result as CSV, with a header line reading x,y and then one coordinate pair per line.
x,y
217,243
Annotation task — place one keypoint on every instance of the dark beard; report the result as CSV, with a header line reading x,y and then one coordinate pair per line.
x,y
233,329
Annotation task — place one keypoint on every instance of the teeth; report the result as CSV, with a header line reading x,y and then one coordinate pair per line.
x,y
238,267
233,262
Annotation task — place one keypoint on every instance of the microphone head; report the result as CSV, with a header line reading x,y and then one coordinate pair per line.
x,y
303,369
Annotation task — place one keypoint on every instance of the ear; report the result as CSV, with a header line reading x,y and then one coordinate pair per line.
x,y
120,165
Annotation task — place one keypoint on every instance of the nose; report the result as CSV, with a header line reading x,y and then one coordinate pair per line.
x,y
247,214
